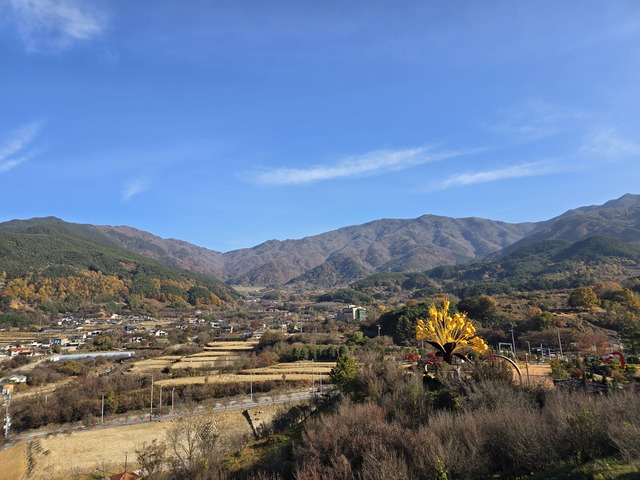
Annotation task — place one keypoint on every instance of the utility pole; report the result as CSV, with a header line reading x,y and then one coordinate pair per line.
x,y
151,409
560,344
7,419
172,390
102,411
513,343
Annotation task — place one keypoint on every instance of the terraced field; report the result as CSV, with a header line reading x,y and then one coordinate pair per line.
x,y
215,355
9,337
157,363
231,346
303,371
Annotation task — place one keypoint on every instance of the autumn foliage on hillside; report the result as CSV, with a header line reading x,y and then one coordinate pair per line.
x,y
57,270
82,285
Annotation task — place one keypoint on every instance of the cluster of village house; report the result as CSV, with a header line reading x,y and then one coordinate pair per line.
x,y
74,337
73,341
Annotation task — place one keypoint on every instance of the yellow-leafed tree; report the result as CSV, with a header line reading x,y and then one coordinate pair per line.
x,y
451,336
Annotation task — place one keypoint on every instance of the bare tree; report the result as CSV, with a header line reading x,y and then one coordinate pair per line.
x,y
151,457
192,440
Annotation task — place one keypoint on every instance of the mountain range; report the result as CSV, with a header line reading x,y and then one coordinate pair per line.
x,y
350,253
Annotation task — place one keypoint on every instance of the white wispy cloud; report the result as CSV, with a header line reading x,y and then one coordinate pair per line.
x,y
370,163
486,176
536,120
18,148
46,25
606,143
133,188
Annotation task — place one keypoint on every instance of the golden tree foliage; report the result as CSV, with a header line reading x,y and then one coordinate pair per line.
x,y
449,335
96,286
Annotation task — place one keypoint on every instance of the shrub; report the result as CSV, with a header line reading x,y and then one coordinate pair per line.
x,y
493,429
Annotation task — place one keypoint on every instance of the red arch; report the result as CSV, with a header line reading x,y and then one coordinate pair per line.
x,y
617,354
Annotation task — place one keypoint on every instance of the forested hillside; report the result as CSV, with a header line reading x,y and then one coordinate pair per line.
x,y
59,269
550,264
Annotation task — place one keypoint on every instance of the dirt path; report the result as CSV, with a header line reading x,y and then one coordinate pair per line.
x,y
538,374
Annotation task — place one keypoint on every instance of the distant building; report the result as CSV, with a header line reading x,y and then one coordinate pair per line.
x,y
18,378
352,312
15,351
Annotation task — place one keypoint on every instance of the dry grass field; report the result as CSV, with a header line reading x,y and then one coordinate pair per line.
x,y
296,367
216,354
82,453
537,374
234,346
157,363
241,378
10,337
296,371
13,462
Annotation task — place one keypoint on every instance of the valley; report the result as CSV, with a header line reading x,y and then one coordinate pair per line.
x,y
131,332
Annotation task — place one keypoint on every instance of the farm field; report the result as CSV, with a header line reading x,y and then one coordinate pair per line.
x,y
105,449
242,378
14,462
304,367
7,337
233,346
205,362
156,363
216,354
297,371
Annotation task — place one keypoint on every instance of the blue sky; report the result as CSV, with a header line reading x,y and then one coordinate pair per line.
x,y
229,123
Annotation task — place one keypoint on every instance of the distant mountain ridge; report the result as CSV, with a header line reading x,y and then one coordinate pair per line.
x,y
618,218
339,256
347,254
544,265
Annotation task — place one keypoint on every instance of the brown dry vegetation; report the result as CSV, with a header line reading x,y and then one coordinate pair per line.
x,y
238,378
157,363
216,354
66,456
393,425
231,346
13,462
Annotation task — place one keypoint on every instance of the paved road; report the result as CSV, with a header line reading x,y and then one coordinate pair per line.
x,y
227,406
